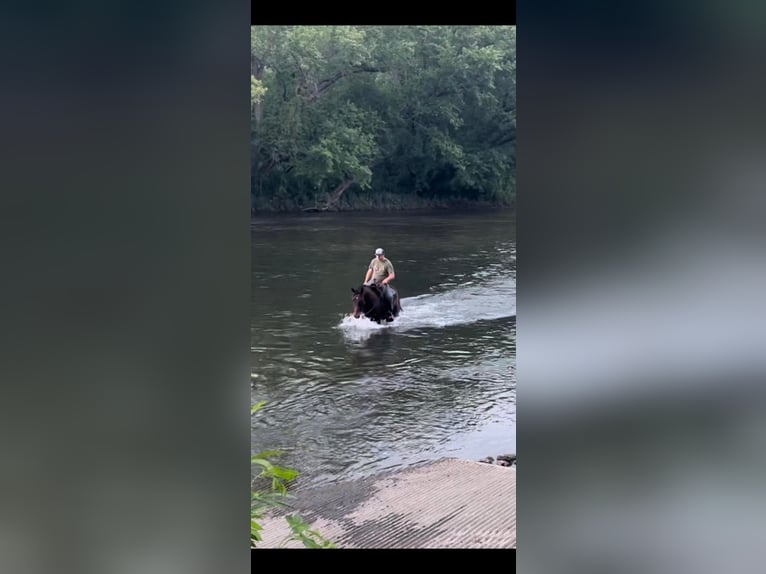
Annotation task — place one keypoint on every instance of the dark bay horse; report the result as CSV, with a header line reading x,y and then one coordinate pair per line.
x,y
369,301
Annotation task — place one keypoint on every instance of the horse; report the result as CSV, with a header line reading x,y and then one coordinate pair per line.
x,y
369,301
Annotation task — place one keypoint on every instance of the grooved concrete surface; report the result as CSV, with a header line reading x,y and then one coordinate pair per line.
x,y
450,503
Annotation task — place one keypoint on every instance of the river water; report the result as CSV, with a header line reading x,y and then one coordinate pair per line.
x,y
347,397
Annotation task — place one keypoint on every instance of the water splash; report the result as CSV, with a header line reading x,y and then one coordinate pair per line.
x,y
361,329
467,303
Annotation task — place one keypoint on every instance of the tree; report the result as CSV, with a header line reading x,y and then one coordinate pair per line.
x,y
425,112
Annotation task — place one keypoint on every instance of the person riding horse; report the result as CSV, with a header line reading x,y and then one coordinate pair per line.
x,y
369,301
381,272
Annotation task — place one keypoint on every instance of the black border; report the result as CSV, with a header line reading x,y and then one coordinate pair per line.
x,y
503,559
325,14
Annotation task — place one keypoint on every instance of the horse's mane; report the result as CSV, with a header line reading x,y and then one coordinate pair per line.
x,y
371,287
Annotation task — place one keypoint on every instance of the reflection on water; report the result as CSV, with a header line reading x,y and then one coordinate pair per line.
x,y
348,397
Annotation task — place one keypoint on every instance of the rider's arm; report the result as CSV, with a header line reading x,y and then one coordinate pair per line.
x,y
390,277
369,274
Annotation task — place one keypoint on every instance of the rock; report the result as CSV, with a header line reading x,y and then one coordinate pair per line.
x,y
488,460
503,463
509,458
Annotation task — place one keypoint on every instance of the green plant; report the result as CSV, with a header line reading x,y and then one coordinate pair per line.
x,y
263,500
310,538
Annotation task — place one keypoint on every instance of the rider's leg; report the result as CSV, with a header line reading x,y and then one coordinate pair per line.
x,y
389,293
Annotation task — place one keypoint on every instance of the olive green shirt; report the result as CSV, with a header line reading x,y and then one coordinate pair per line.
x,y
381,269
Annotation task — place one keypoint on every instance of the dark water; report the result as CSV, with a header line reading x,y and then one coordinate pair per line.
x,y
347,397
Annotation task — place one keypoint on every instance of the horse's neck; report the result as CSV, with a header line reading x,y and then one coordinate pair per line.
x,y
373,303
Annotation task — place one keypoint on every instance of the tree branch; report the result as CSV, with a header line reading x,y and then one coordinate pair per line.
x,y
325,84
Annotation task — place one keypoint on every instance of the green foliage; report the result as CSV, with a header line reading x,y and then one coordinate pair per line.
x,y
257,91
344,148
256,407
275,497
302,532
396,115
278,475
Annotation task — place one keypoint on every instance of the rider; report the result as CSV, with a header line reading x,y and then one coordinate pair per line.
x,y
381,272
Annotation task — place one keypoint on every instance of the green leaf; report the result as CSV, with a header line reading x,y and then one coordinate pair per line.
x,y
267,453
261,462
255,531
308,542
256,407
284,473
309,538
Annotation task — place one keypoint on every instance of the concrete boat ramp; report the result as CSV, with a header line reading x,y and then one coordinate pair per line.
x,y
449,503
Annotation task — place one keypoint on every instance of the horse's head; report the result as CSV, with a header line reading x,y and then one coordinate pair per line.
x,y
364,299
359,300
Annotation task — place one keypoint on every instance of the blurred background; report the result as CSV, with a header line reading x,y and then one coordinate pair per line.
x,y
640,280
124,217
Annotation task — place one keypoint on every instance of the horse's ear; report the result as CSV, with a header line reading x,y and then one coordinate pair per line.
x,y
355,291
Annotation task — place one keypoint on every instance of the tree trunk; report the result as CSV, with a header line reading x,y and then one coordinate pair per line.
x,y
338,192
258,114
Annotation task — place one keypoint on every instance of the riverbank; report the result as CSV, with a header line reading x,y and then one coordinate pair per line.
x,y
450,503
467,209
390,203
